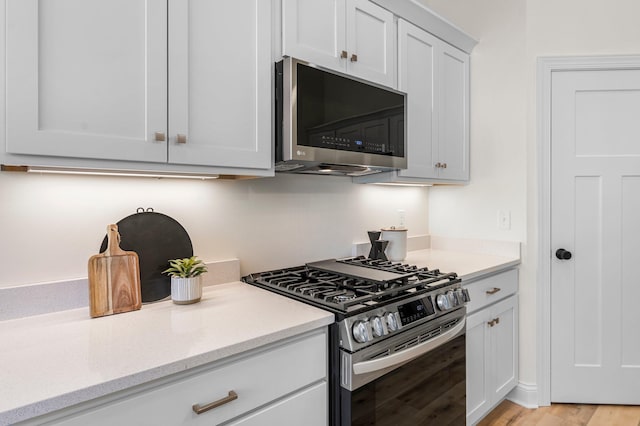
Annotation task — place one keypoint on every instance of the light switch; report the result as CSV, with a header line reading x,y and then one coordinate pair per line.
x,y
401,218
504,220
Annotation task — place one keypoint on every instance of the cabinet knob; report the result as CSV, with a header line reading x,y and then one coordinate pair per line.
x,y
444,165
159,137
494,322
344,54
354,58
438,165
180,138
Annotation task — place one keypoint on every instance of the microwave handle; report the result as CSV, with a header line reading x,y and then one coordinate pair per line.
x,y
408,354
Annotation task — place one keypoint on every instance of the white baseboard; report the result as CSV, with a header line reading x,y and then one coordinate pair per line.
x,y
525,395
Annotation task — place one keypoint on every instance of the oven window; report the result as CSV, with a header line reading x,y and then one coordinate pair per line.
x,y
430,390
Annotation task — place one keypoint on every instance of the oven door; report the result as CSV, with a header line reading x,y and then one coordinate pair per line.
x,y
415,380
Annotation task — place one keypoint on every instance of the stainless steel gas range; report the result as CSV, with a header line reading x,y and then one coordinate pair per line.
x,y
397,348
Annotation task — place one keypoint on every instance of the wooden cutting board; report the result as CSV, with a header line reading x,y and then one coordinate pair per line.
x,y
114,279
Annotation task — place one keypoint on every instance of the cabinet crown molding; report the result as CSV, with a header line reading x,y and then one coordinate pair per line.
x,y
421,16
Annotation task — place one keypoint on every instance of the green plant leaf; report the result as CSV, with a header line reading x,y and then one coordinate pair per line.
x,y
185,268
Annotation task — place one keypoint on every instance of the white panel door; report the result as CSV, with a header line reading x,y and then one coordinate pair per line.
x,y
220,71
371,42
595,204
416,60
87,78
314,31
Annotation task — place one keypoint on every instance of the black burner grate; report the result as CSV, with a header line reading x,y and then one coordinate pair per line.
x,y
348,294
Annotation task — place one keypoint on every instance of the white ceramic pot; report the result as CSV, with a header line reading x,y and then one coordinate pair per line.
x,y
186,290
397,248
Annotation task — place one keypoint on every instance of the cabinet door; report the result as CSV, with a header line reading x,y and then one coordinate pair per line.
x,y
314,31
86,79
371,42
504,347
220,72
453,113
416,58
478,395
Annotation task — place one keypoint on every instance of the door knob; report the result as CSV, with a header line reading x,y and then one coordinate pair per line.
x,y
563,254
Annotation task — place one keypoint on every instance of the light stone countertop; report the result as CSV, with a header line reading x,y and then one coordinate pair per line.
x,y
57,360
467,265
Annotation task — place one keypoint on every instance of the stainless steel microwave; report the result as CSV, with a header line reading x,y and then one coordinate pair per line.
x,y
331,123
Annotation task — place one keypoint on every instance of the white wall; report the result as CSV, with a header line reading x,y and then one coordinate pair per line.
x,y
51,225
512,35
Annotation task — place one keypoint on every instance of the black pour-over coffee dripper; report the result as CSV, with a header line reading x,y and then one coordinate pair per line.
x,y
381,246
373,236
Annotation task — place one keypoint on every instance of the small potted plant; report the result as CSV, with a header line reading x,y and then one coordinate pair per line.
x,y
186,279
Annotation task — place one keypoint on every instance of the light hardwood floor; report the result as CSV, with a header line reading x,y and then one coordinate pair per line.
x,y
508,413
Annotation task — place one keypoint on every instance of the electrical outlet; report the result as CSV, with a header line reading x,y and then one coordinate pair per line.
x,y
504,220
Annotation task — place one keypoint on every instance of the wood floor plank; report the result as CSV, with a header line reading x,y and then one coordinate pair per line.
x,y
622,415
511,414
577,413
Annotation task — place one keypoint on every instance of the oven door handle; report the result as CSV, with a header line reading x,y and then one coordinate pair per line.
x,y
408,354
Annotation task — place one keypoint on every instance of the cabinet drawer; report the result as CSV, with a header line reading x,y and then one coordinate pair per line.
x,y
308,407
257,380
488,290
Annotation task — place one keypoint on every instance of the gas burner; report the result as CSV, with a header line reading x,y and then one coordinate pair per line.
x,y
343,297
312,288
366,286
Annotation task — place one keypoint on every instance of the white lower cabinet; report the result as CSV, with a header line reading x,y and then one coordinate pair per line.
x,y
303,408
284,384
492,344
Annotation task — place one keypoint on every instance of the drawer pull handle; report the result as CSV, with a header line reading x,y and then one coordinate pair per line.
x,y
493,290
494,322
202,409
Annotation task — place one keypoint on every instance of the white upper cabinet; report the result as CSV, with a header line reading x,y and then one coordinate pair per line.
x,y
314,30
163,84
453,119
86,78
417,51
220,69
435,76
352,36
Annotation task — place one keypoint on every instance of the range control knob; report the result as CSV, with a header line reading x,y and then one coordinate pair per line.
x,y
378,327
443,302
361,332
392,322
463,295
453,297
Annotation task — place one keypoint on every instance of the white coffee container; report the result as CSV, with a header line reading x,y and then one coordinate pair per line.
x,y
397,248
